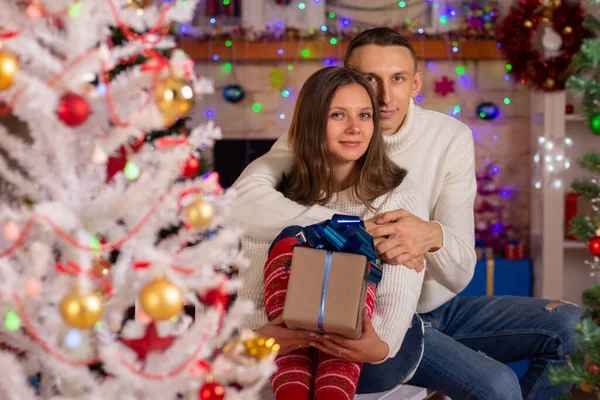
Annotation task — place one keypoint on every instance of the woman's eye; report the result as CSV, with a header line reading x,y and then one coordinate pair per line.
x,y
336,115
365,115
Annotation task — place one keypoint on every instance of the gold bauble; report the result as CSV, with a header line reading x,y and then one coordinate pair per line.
x,y
100,266
567,30
199,214
261,347
587,387
161,300
550,82
139,4
81,310
174,98
8,67
527,23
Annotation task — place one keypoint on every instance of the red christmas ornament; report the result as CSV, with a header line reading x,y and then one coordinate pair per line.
x,y
444,86
593,368
569,109
150,342
190,167
73,109
594,245
211,391
214,297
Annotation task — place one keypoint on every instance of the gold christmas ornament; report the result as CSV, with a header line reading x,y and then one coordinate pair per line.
x,y
261,347
587,387
161,300
199,214
81,310
174,98
550,82
100,266
8,67
527,24
567,30
139,4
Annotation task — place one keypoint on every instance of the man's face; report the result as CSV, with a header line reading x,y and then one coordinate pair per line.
x,y
391,72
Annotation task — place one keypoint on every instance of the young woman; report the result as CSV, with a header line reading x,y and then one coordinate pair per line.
x,y
340,163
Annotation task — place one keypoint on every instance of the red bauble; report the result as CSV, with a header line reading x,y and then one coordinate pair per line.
x,y
214,297
211,391
594,245
569,109
73,109
593,368
190,167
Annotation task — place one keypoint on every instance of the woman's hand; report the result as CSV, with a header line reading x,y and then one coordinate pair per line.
x,y
288,339
369,348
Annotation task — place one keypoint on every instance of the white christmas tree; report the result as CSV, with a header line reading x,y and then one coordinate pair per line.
x,y
96,301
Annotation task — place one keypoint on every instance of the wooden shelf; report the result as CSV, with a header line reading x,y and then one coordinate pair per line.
x,y
575,117
571,244
241,50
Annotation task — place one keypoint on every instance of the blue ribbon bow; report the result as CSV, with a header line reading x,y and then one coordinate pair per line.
x,y
346,234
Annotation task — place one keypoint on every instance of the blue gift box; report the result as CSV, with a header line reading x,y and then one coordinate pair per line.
x,y
506,278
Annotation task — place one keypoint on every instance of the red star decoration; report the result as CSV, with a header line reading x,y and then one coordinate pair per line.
x,y
444,86
150,342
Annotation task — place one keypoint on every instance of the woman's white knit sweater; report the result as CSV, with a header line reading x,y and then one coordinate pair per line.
x,y
438,153
398,292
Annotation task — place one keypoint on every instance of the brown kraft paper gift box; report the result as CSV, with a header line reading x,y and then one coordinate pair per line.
x,y
345,294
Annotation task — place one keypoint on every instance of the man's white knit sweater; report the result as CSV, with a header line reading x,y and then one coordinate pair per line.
x,y
438,153
398,292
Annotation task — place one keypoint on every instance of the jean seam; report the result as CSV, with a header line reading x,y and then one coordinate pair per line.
x,y
442,371
537,383
509,333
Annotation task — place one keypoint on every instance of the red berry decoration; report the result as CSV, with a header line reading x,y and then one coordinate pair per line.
x,y
190,167
214,297
211,391
73,109
569,109
593,368
594,245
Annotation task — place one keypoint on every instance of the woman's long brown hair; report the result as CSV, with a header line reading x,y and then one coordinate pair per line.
x,y
311,179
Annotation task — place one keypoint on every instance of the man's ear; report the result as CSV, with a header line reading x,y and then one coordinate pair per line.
x,y
417,82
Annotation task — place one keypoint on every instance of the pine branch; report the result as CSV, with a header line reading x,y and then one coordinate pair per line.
x,y
591,24
587,190
591,302
591,162
582,229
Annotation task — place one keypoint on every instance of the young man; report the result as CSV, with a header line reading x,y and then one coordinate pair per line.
x,y
467,339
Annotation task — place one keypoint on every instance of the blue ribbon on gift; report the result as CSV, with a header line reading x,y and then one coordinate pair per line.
x,y
346,234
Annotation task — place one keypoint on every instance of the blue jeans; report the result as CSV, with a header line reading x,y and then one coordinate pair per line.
x,y
468,340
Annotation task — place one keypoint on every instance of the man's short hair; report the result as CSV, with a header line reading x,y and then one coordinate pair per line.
x,y
382,36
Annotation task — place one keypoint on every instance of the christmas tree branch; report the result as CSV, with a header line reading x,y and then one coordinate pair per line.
x,y
582,229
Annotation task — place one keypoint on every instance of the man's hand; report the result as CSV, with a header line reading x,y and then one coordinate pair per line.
x,y
288,339
402,238
369,348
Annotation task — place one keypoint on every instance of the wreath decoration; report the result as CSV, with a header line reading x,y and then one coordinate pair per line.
x,y
543,66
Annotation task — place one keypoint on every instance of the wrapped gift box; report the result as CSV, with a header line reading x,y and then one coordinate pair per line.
x,y
326,292
499,277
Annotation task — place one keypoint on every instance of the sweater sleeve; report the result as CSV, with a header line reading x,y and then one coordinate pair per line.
x,y
398,292
453,265
260,208
395,304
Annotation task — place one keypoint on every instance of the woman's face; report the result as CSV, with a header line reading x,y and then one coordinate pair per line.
x,y
349,125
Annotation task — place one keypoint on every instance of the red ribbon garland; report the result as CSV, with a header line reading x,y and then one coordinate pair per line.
x,y
70,268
